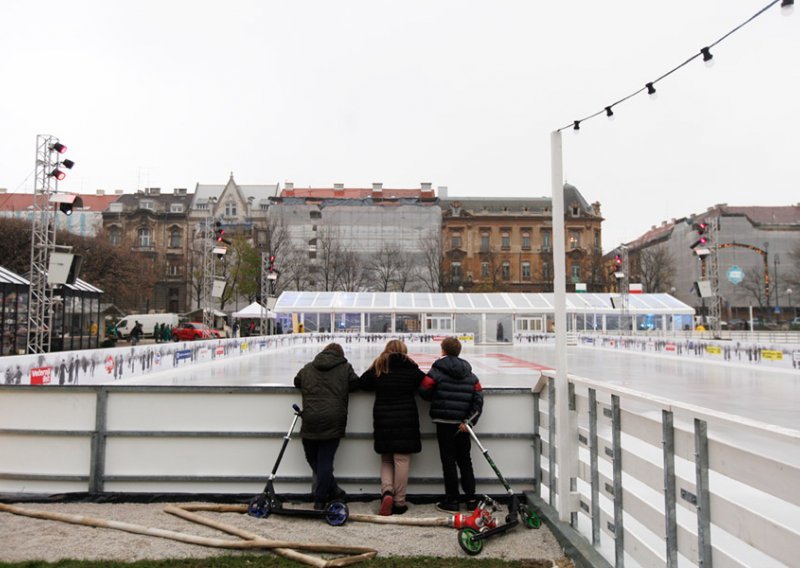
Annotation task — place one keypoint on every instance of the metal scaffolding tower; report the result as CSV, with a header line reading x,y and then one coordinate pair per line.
x,y
43,244
265,291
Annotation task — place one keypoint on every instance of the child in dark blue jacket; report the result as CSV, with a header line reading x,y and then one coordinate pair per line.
x,y
456,397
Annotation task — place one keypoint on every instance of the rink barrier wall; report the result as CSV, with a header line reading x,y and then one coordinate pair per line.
x,y
115,364
148,439
657,482
761,352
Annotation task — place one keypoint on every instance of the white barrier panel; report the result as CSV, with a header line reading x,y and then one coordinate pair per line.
x,y
219,439
764,354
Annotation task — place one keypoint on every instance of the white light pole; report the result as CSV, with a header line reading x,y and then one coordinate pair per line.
x,y
567,451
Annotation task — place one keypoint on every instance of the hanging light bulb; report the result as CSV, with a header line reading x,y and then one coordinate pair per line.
x,y
708,57
787,7
651,90
576,127
609,113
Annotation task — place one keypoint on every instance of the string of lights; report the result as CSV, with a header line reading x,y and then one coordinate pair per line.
x,y
787,7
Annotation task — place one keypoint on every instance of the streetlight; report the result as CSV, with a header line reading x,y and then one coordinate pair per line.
x,y
794,309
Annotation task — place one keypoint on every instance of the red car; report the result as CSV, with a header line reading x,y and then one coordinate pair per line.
x,y
190,331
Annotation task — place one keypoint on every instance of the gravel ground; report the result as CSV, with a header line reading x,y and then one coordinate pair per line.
x,y
24,538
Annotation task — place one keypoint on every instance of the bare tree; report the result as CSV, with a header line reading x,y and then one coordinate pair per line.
x,y
351,274
329,254
431,261
383,266
406,270
653,267
297,271
754,286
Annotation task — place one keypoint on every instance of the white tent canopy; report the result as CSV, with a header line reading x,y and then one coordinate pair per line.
x,y
254,310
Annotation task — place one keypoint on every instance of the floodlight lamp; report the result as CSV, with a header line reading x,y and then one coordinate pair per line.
x,y
58,174
68,164
65,208
58,147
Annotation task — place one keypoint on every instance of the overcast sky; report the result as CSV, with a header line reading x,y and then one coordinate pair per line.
x,y
458,93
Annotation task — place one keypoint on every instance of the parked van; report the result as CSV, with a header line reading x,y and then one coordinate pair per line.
x,y
148,321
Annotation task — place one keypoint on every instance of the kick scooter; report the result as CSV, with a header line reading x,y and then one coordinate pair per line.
x,y
470,538
261,506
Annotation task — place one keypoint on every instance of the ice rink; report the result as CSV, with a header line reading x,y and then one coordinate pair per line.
x,y
767,395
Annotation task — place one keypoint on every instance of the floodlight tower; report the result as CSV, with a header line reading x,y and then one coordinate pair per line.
x,y
207,238
43,240
715,309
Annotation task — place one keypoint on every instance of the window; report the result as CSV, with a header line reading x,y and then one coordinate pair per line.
x,y
312,244
546,270
485,242
173,269
175,238
455,241
526,270
597,245
315,214
455,271
115,235
144,237
230,209
576,211
506,270
574,239
526,241
575,269
149,205
312,254
505,240
176,208
546,241
201,205
484,269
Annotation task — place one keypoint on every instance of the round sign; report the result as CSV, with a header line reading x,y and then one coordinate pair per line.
x,y
735,274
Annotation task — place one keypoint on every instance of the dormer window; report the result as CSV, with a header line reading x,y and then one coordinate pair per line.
x,y
149,205
576,211
176,208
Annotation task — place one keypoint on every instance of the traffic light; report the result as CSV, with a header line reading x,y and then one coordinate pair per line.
x,y
272,263
701,229
220,234
618,260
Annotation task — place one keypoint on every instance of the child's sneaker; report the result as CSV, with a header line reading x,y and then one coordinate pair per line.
x,y
386,504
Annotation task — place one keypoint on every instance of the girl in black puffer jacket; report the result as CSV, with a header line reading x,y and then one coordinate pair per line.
x,y
394,377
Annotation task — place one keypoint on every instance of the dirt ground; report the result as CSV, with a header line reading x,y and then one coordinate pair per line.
x,y
23,538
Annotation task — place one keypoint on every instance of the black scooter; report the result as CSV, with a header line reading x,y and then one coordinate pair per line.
x,y
261,506
470,539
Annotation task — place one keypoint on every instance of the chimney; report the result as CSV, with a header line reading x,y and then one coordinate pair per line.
x,y
3,190
101,192
118,192
377,190
442,189
152,191
179,191
338,190
426,186
288,185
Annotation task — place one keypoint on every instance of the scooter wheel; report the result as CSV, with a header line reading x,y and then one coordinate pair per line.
x,y
529,519
259,507
337,514
468,543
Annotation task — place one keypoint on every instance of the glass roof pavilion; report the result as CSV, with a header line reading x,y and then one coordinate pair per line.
x,y
507,313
